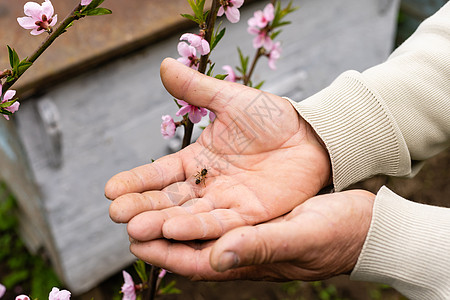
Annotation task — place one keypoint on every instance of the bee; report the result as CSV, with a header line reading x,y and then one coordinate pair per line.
x,y
201,176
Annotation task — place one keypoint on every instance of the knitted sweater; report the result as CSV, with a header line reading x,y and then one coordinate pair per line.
x,y
387,120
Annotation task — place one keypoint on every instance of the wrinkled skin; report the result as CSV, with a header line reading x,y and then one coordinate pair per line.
x,y
319,239
262,161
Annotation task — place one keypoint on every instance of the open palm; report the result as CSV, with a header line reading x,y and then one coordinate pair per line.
x,y
262,160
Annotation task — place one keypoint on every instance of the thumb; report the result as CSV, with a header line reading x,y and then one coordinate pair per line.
x,y
198,89
261,244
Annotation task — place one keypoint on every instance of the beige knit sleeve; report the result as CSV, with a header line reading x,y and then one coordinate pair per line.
x,y
407,247
388,118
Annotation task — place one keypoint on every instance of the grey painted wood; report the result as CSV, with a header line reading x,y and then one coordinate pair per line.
x,y
110,120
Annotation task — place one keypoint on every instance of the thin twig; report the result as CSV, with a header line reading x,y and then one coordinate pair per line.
x,y
50,39
210,23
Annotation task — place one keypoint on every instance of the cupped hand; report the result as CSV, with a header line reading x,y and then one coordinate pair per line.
x,y
320,238
261,158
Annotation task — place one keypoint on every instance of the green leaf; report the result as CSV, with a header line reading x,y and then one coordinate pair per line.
x,y
68,26
281,13
140,268
5,112
92,5
221,76
7,103
10,78
216,38
23,66
13,57
169,289
190,17
209,73
100,11
275,34
259,85
244,61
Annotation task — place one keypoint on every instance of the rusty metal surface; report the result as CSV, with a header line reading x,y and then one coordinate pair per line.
x,y
92,40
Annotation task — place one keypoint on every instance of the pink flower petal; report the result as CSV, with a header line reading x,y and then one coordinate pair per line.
x,y
237,3
86,2
204,47
56,294
233,14
195,116
212,116
128,290
184,110
36,31
2,287
185,61
9,95
269,14
21,297
47,9
54,20
182,102
221,11
168,127
185,50
27,22
230,72
13,108
34,10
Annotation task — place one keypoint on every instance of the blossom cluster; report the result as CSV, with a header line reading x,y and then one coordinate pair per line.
x,y
129,288
259,25
55,294
6,99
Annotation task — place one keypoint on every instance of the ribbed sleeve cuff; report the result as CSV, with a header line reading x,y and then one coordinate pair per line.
x,y
358,130
407,247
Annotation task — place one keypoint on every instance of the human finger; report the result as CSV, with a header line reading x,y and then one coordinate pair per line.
x,y
262,244
198,89
186,259
129,205
154,176
202,225
149,224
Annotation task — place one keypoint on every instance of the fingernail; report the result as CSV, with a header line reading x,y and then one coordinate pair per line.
x,y
227,260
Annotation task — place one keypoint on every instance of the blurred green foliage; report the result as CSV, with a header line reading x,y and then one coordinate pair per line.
x,y
20,272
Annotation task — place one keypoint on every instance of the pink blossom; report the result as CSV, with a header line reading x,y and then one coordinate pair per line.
x,y
56,294
22,297
168,127
230,8
7,97
274,55
258,25
2,290
188,55
162,273
195,113
230,72
212,116
86,2
262,18
40,18
128,289
261,39
196,41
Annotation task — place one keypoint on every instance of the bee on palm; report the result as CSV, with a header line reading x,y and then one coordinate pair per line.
x,y
201,176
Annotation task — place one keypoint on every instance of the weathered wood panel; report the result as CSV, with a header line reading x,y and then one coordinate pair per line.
x,y
110,117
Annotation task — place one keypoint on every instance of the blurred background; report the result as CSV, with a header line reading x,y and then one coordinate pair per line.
x,y
91,106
